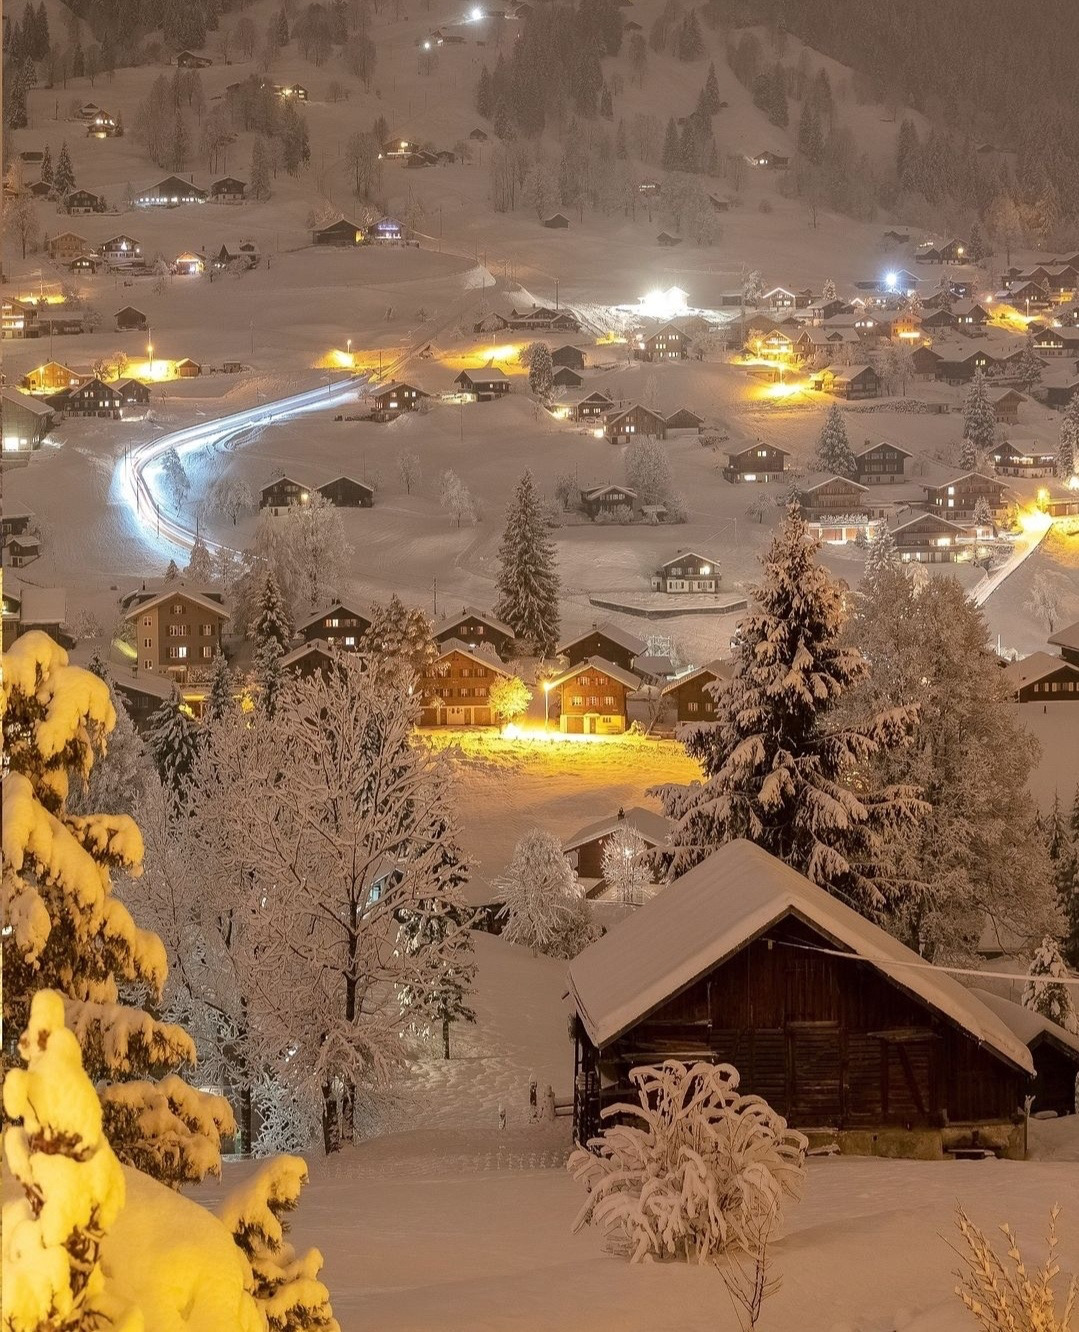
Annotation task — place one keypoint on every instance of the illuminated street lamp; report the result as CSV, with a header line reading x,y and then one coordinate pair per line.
x,y
546,704
348,344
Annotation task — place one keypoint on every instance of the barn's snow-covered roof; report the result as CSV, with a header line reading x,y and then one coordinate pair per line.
x,y
719,906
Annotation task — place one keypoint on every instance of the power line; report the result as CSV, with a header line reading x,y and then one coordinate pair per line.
x,y
919,965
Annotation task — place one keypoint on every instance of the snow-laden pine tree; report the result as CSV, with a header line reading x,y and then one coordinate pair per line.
x,y
219,695
447,1001
544,906
172,737
120,773
286,1284
172,572
540,371
1068,447
627,866
1029,367
881,554
977,852
1045,991
272,619
528,583
64,175
328,828
67,931
648,470
781,766
72,1185
200,565
834,454
268,674
983,514
399,635
828,290
979,423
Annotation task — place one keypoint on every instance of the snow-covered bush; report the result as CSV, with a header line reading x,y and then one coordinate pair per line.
x,y
627,869
72,1183
169,1130
509,697
1046,992
544,907
707,1170
1004,1299
286,1285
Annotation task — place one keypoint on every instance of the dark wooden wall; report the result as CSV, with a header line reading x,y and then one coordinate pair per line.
x,y
1054,1081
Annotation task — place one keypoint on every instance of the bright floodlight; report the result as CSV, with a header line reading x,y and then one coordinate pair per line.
x,y
890,279
663,304
476,14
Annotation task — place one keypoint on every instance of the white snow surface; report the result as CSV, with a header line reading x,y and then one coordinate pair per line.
x,y
728,899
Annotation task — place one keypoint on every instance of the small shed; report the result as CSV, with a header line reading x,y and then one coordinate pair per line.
x,y
1055,1052
665,238
556,220
345,492
834,1022
342,232
188,369
129,319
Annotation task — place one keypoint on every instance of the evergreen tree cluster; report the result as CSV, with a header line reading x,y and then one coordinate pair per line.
x,y
1061,831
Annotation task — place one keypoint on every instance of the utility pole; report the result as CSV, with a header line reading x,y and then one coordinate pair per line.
x,y
434,596
556,293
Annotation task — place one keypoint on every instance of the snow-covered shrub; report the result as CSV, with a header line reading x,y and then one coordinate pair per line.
x,y
705,1172
627,868
509,697
286,1285
1046,991
1011,1299
169,1130
72,1182
544,907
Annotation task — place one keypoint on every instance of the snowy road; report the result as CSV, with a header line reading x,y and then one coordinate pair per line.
x,y
138,486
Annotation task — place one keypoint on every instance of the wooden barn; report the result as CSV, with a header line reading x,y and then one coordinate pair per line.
x,y
760,462
691,695
584,850
475,628
603,640
593,697
830,1019
345,492
1041,678
1055,1053
454,689
338,626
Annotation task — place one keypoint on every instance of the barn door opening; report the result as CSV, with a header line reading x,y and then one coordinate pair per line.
x,y
815,1052
907,1077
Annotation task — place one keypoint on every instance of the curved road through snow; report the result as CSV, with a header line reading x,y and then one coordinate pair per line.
x,y
137,487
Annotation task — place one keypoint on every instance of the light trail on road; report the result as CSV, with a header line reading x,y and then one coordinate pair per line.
x,y
138,491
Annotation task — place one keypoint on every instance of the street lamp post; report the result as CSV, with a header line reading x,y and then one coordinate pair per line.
x,y
546,704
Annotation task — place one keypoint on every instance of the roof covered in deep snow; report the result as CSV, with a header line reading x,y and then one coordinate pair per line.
x,y
718,907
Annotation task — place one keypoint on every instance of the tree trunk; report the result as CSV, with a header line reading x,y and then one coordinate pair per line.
x,y
246,1121
331,1127
348,1115
445,1038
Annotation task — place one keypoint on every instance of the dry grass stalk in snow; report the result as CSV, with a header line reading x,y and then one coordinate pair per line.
x,y
1011,1299
705,1173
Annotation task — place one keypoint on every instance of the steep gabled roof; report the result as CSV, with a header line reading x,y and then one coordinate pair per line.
x,y
870,447
653,827
1028,1025
317,647
690,555
452,645
1067,637
329,610
448,621
718,670
203,603
622,637
717,908
596,491
1037,666
606,667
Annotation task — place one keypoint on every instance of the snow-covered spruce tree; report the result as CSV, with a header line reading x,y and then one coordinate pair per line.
x,y
881,555
979,422
780,768
64,175
1044,991
983,514
172,737
976,853
172,572
705,1170
200,565
834,453
828,292
447,1001
72,1184
68,932
540,370
268,674
627,866
120,773
1068,447
219,696
399,635
543,905
528,583
1029,367
272,619
286,1285
338,827
648,470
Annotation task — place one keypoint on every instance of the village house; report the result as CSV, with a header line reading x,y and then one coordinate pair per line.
x,y
881,464
691,693
476,629
186,368
177,632
961,370
926,538
487,383
170,193
1060,395
848,381
937,320
668,342
584,850
760,462
390,400
454,689
13,523
66,246
244,252
120,250
130,320
81,202
20,550
20,319
28,607
338,626
296,91
610,501
583,407
970,315
1043,678
1054,1051
733,967
687,572
627,423
770,161
53,377
604,640
951,252
386,231
315,657
192,60
85,263
187,264
1006,407
1067,639
105,126
956,500
26,421
565,377
924,362
594,697
666,239
133,392
569,356
684,420
1023,458
278,496
556,222
543,318
1026,296
342,232
228,190
93,398
345,492
826,496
